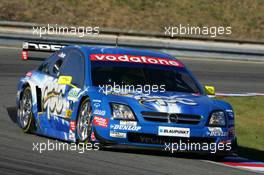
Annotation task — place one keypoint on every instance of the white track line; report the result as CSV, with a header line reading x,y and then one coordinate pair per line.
x,y
7,47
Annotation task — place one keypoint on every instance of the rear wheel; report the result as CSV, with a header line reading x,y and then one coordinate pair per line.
x,y
84,123
24,114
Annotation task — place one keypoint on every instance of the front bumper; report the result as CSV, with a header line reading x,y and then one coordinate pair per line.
x,y
147,136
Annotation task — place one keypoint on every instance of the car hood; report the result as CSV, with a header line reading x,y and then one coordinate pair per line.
x,y
167,102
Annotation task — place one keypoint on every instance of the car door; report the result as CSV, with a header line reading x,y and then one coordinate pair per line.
x,y
68,62
72,65
51,92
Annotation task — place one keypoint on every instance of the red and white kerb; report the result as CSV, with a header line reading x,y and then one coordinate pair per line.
x,y
135,59
24,55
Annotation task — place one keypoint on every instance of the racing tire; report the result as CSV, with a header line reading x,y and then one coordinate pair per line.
x,y
25,116
84,122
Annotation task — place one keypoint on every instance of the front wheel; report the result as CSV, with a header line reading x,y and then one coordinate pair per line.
x,y
84,123
24,113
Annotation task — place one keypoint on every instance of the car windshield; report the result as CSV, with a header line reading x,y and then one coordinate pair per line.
x,y
172,78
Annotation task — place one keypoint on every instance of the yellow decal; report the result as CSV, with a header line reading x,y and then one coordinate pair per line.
x,y
210,90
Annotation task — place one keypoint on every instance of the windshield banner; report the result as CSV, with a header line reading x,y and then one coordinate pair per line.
x,y
135,59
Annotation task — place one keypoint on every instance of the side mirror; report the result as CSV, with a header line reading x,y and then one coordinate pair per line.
x,y
209,90
66,80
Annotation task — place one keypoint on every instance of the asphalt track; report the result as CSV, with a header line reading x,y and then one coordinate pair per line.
x,y
17,156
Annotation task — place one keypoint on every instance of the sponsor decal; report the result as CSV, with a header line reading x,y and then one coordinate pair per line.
x,y
97,101
99,112
216,131
131,123
41,46
73,94
100,121
118,134
68,113
52,98
71,135
164,101
125,127
135,59
97,105
72,125
62,55
174,131
93,137
164,104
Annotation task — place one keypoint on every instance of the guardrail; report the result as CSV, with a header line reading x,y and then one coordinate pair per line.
x,y
182,46
140,33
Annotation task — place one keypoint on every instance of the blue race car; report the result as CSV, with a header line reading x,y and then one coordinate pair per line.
x,y
121,96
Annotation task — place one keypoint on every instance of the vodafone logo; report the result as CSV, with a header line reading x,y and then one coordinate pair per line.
x,y
135,59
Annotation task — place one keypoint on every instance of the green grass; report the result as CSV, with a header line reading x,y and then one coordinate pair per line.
x,y
245,17
249,125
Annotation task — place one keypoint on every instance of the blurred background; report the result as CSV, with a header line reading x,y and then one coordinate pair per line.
x,y
245,17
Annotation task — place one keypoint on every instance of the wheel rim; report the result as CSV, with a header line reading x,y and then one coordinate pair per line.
x,y
25,109
84,123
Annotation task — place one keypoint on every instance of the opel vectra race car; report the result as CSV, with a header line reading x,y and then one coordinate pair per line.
x,y
121,96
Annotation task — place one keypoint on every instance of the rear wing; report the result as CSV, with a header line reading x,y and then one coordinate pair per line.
x,y
32,50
